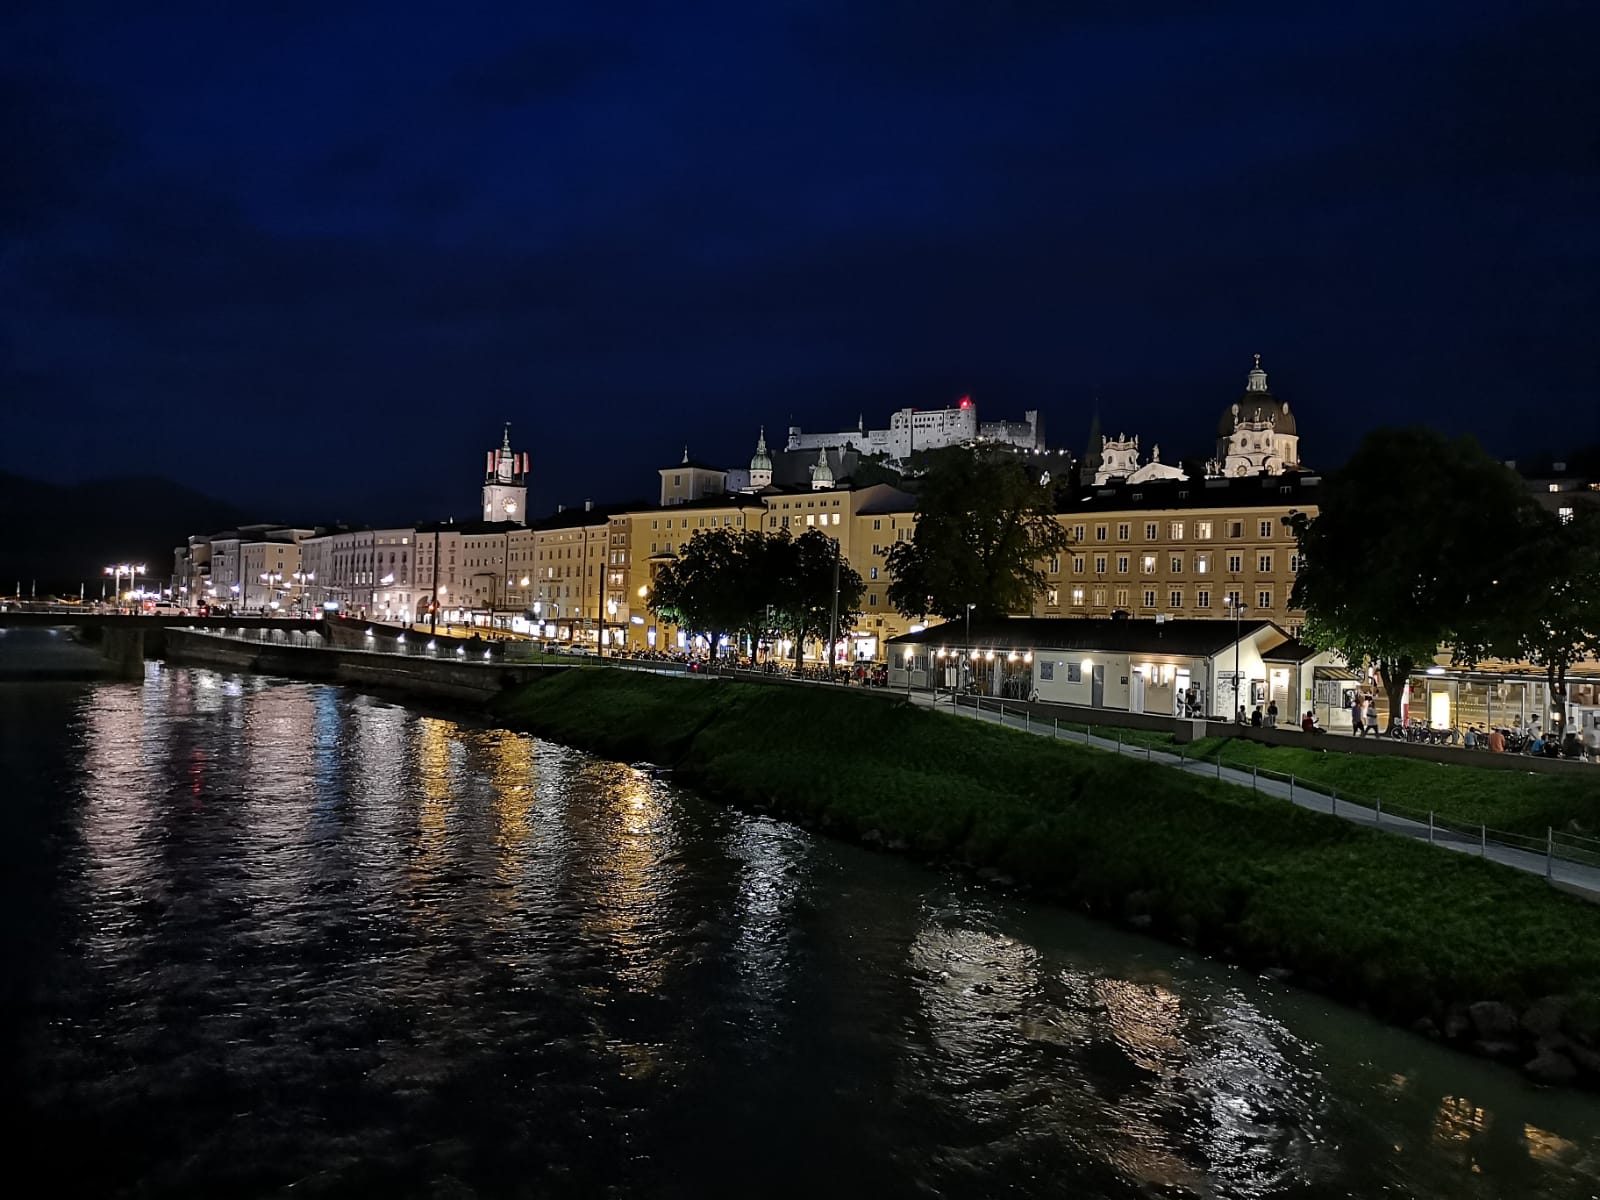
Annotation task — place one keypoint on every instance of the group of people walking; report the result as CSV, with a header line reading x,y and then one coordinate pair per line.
x,y
1363,715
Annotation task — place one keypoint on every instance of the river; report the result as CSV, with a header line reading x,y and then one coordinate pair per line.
x,y
269,938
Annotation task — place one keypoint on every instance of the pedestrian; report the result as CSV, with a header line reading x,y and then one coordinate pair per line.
x,y
1355,714
1497,742
1372,717
1272,715
1255,717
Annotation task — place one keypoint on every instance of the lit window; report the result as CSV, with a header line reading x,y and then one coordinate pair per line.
x,y
1052,598
810,519
1175,531
1202,564
1147,564
1565,514
1555,487
874,572
1099,597
1077,597
1202,530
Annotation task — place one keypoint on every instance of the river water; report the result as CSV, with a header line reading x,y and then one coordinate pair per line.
x,y
280,938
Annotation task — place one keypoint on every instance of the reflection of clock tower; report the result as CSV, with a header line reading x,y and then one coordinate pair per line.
x,y
505,484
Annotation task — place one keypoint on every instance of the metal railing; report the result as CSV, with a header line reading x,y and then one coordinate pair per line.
x,y
1555,846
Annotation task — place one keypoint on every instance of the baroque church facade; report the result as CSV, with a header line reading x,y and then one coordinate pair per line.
x,y
1256,435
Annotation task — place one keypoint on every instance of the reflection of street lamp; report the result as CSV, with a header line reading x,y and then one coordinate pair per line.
x,y
1232,602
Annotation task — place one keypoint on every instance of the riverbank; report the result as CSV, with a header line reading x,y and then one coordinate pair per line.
x,y
1458,949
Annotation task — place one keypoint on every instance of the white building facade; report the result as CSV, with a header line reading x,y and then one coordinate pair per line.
x,y
912,429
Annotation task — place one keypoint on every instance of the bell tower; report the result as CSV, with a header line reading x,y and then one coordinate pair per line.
x,y
505,483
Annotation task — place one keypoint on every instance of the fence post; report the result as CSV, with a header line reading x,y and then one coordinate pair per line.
x,y
1483,841
1026,717
1333,804
1119,740
1430,827
1147,752
1055,728
1219,762
1291,789
1549,852
1255,783
1377,816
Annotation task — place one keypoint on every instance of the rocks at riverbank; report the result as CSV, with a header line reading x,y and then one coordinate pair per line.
x,y
1466,951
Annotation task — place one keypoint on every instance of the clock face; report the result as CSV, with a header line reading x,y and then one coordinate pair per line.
x,y
511,505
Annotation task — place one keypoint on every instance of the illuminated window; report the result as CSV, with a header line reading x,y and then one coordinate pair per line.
x,y
1175,531
810,519
1099,597
1202,564
1052,598
1077,597
1147,564
1202,530
874,572
1565,514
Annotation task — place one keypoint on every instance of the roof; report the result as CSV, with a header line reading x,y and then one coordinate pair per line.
x,y
1192,637
1259,407
1294,488
1291,651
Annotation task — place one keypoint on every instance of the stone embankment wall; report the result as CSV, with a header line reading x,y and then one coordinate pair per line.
x,y
435,679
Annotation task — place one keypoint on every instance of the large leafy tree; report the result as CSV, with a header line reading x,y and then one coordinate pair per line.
x,y
703,590
985,527
813,581
1550,614
1408,553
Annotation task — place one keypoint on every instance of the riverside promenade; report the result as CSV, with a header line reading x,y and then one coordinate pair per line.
x,y
1578,877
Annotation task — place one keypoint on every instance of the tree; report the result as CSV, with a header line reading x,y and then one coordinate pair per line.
x,y
1551,610
985,527
813,583
1404,555
701,590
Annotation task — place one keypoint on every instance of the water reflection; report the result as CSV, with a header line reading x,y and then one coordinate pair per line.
x,y
319,941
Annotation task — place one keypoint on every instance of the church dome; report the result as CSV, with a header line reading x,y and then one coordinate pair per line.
x,y
1257,406
762,460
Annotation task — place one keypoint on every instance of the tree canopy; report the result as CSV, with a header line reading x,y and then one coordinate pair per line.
x,y
985,528
728,582
1410,551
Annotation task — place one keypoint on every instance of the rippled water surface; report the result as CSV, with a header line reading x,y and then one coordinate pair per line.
x,y
278,938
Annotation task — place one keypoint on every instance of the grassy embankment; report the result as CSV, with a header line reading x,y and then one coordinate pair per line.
x,y
1404,927
1521,802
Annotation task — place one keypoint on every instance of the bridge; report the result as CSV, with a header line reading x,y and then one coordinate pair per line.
x,y
125,640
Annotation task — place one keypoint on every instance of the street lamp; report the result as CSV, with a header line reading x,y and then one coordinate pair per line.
x,y
1238,607
611,607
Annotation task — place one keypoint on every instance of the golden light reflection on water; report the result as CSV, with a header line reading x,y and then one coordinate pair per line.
x,y
632,882
1458,1120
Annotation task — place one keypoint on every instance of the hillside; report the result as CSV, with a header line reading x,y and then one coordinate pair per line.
x,y
61,535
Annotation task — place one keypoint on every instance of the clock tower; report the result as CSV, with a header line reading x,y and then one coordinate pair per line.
x,y
505,484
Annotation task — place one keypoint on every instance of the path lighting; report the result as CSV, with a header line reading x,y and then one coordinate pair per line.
x,y
989,656
1028,657
524,581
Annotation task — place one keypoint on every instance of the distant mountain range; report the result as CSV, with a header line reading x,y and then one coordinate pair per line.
x,y
64,535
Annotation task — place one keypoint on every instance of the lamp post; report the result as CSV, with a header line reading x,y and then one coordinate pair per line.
x,y
611,608
1238,607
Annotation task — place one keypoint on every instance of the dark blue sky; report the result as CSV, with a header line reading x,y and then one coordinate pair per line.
x,y
308,257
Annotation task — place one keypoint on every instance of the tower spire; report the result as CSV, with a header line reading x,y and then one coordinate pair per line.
x,y
1257,380
505,444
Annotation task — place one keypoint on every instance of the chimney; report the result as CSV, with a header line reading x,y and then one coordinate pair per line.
x,y
588,506
560,508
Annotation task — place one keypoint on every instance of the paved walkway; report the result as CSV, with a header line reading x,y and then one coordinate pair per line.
x,y
1573,876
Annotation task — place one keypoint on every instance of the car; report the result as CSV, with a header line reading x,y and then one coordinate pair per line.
x,y
576,650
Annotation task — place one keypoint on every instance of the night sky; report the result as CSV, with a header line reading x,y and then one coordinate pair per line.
x,y
308,257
